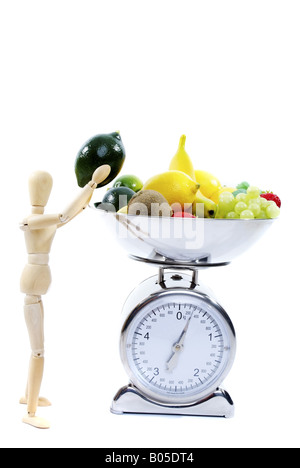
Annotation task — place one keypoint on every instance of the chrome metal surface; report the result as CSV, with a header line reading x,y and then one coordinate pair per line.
x,y
176,264
129,400
193,241
167,286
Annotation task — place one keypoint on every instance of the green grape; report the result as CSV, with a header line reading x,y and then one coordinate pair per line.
x,y
257,200
262,215
263,203
226,198
272,211
255,208
232,215
253,192
241,197
239,207
226,204
247,214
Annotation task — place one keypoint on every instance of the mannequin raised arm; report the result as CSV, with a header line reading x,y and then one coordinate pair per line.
x,y
38,220
84,197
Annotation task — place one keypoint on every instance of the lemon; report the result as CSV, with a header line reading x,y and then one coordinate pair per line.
x,y
175,186
215,196
209,184
181,161
123,210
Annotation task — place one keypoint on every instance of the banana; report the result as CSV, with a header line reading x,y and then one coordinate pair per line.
x,y
210,207
181,161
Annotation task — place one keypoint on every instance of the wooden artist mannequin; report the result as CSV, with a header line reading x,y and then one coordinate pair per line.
x,y
39,230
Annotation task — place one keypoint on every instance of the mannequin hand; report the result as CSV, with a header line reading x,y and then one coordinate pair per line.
x,y
100,175
24,225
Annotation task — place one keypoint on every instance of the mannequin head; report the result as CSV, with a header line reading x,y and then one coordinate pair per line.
x,y
40,186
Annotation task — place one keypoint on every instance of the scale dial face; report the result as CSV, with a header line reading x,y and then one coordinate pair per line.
x,y
178,347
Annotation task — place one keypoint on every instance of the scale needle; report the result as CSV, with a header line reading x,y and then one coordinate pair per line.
x,y
178,347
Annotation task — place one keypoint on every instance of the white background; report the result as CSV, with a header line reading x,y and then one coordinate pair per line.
x,y
225,73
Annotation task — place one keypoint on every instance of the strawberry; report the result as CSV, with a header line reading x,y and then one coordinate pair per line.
x,y
184,214
270,196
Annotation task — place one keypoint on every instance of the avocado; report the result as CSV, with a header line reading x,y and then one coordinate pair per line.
x,y
115,199
98,150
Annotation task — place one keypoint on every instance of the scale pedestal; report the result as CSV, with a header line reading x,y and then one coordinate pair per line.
x,y
129,400
198,318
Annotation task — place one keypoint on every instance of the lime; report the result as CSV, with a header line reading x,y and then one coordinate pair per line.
x,y
130,181
99,150
236,192
115,199
243,185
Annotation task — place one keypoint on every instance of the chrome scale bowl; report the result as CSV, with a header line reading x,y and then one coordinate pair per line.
x,y
188,241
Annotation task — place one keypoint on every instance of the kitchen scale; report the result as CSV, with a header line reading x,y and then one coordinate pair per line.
x,y
177,342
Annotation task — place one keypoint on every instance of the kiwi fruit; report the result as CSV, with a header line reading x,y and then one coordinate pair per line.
x,y
149,203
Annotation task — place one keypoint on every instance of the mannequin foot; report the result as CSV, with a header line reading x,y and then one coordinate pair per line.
x,y
43,402
35,421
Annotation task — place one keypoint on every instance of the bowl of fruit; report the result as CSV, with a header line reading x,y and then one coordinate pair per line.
x,y
181,215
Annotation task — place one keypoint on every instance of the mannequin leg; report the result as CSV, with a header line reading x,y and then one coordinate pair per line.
x,y
34,317
31,300
35,376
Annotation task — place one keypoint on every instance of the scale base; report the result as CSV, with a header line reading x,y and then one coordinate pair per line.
x,y
129,400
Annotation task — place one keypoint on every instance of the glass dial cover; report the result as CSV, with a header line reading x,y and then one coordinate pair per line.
x,y
178,347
